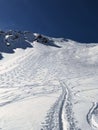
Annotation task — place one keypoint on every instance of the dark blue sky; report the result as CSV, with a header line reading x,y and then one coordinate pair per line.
x,y
73,19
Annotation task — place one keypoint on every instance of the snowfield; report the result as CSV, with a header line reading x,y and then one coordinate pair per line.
x,y
47,83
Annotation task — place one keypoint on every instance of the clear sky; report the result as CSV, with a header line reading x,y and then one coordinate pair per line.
x,y
73,19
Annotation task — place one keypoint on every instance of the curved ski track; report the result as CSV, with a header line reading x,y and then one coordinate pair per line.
x,y
54,117
60,116
92,116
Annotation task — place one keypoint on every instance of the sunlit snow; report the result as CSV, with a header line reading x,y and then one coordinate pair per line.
x,y
47,83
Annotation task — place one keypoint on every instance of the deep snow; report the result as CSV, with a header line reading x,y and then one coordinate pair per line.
x,y
47,83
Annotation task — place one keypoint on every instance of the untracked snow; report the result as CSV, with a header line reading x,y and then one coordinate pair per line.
x,y
47,83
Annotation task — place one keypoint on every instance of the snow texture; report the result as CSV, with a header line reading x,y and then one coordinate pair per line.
x,y
47,83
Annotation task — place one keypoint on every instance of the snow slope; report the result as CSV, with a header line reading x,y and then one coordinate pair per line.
x,y
47,83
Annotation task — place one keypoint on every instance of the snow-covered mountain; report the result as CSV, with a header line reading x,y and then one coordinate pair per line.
x,y
47,83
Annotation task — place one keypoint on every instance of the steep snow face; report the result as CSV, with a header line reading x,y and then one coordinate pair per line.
x,y
47,83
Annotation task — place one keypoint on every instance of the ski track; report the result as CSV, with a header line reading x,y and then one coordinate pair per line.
x,y
92,116
60,116
69,114
54,117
